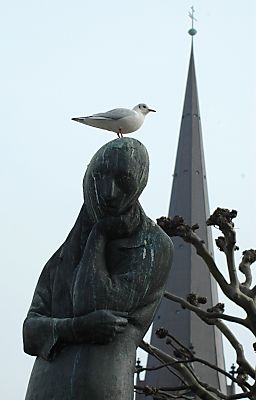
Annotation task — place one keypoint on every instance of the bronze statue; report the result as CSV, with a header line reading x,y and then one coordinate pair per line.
x,y
97,295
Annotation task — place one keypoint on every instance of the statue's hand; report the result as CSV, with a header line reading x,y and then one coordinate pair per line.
x,y
100,326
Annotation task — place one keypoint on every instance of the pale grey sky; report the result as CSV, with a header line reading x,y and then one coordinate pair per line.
x,y
61,59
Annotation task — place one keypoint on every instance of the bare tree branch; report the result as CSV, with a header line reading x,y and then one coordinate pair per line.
x,y
242,396
223,219
231,240
253,292
204,314
163,333
156,356
201,389
189,377
177,227
161,392
241,360
249,257
239,293
200,360
167,388
188,351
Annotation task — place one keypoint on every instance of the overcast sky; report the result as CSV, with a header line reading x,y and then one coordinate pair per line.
x,y
61,59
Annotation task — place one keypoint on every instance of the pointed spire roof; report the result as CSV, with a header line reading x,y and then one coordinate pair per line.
x,y
189,196
189,199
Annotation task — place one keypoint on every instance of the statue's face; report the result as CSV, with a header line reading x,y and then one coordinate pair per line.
x,y
114,180
113,191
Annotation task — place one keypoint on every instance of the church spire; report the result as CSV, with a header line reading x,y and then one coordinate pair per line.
x,y
189,199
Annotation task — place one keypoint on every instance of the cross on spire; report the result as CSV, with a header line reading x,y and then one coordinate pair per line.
x,y
192,31
191,15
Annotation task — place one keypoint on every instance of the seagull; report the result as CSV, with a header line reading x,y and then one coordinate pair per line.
x,y
119,120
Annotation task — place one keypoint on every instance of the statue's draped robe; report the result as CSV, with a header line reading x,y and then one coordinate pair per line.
x,y
68,287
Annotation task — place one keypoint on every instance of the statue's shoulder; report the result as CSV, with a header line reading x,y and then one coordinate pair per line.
x,y
52,264
156,234
161,252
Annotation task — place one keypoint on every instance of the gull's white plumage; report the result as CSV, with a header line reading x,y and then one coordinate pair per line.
x,y
119,120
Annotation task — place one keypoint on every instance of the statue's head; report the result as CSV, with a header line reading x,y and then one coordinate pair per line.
x,y
115,178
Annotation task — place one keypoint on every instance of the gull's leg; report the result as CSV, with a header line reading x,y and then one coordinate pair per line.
x,y
120,135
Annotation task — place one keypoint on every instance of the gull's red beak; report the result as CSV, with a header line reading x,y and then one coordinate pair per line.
x,y
150,109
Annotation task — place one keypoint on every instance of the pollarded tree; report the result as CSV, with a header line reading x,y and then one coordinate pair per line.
x,y
243,294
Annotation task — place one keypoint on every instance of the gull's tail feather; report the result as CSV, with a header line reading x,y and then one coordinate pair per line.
x,y
77,119
100,123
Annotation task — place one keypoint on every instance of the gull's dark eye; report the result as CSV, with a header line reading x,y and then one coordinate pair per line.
x,y
144,106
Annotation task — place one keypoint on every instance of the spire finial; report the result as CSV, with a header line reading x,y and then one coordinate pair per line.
x,y
192,31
